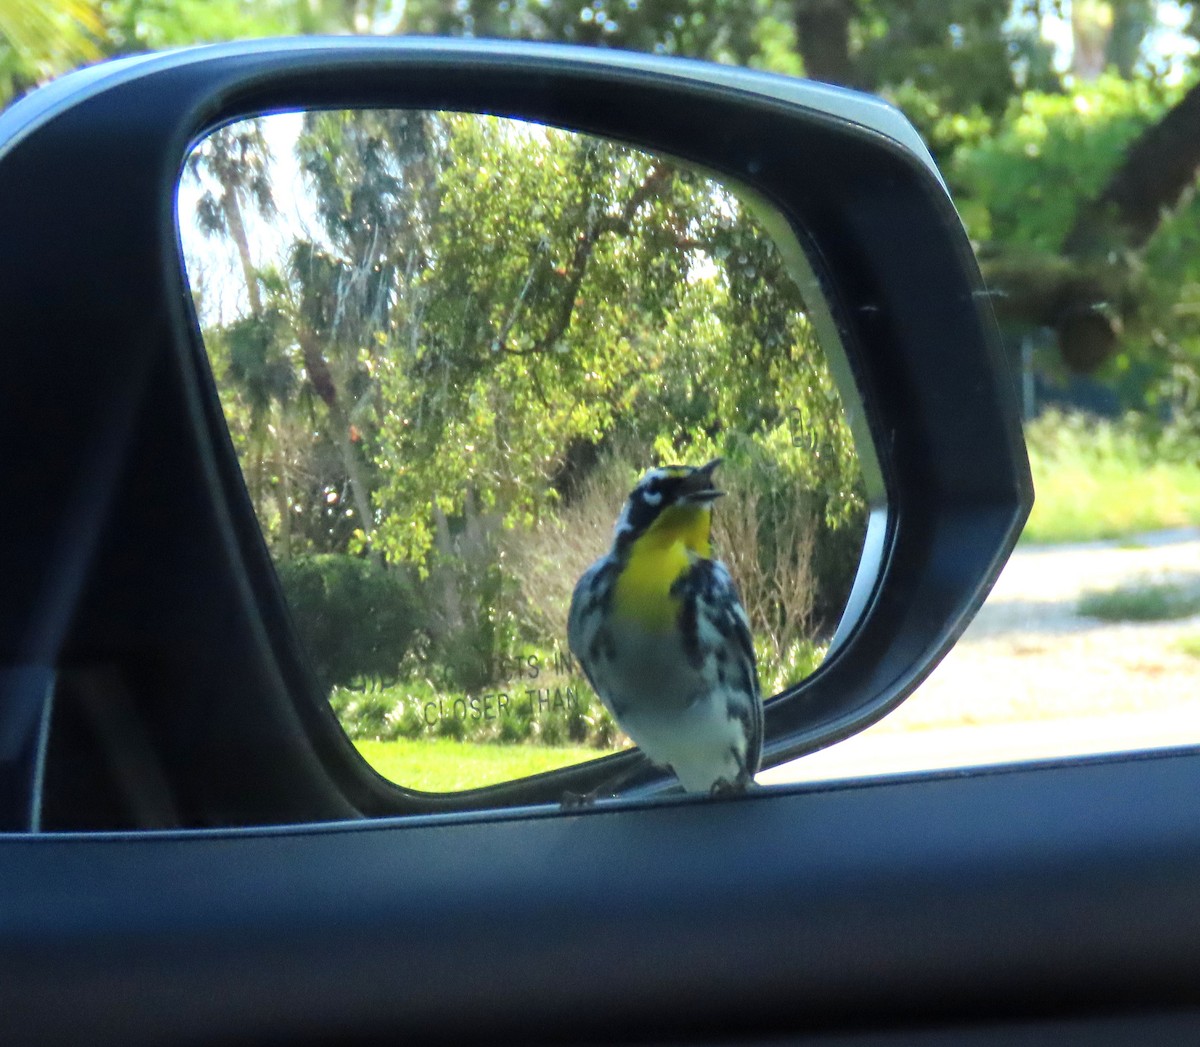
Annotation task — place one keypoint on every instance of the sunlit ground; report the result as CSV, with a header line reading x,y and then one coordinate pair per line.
x,y
1033,678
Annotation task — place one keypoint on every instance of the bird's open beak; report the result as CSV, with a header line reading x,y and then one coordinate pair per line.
x,y
699,488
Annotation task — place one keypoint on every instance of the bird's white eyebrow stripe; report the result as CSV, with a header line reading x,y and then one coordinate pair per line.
x,y
622,525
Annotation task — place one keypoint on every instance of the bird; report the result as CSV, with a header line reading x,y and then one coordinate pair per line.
x,y
660,632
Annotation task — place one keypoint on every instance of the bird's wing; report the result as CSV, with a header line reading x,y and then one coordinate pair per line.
x,y
588,604
707,582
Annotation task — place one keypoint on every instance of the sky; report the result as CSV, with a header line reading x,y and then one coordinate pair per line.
x,y
1167,45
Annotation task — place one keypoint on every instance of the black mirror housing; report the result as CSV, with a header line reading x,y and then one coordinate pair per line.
x,y
135,544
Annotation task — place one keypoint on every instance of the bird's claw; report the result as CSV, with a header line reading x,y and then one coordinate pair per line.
x,y
738,787
573,801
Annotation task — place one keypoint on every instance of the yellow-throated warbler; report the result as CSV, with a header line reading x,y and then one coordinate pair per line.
x,y
661,633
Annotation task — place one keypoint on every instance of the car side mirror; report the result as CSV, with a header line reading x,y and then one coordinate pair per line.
x,y
174,686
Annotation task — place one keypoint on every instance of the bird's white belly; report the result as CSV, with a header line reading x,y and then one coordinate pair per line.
x,y
651,670
676,717
699,742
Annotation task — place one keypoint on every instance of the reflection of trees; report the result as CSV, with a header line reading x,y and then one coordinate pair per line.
x,y
238,161
476,301
233,168
373,192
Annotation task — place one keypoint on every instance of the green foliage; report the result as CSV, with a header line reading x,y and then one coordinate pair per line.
x,y
1099,479
550,706
1189,645
1022,184
1020,189
42,38
757,390
774,40
258,361
355,618
956,53
779,670
1164,344
1144,602
719,30
137,25
532,327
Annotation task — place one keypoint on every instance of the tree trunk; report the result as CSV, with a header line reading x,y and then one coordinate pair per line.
x,y
283,490
823,36
1132,20
1158,169
237,230
1091,30
1084,291
359,491
321,377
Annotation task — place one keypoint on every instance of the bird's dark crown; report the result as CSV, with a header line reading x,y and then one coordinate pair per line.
x,y
660,489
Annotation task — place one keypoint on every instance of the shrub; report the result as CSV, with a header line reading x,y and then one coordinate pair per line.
x,y
554,707
1096,478
368,713
355,618
472,599
1141,602
770,555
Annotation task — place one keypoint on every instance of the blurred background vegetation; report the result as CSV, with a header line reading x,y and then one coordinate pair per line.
x,y
1069,134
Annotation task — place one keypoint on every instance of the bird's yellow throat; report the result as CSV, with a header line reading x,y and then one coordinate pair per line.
x,y
656,559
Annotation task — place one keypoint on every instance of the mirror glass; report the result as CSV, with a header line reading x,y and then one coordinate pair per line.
x,y
447,347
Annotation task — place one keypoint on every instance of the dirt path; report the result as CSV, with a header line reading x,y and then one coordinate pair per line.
x,y
1030,655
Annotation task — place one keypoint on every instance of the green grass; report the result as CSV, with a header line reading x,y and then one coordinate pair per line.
x,y
1097,479
1142,602
444,765
1189,645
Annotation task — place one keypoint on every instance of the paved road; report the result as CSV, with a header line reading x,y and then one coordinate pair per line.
x,y
894,752
1032,679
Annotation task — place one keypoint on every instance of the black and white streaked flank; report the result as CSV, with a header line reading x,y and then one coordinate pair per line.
x,y
660,631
